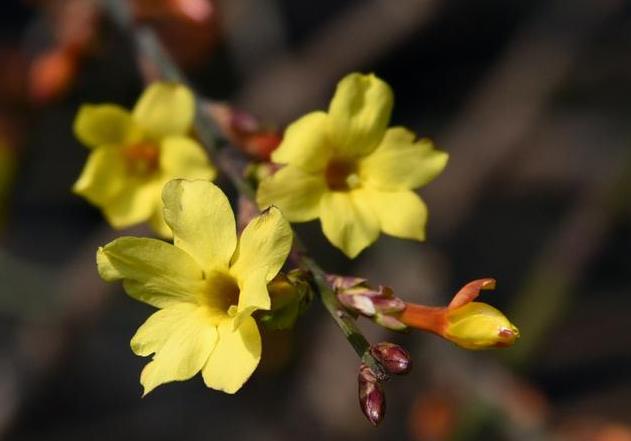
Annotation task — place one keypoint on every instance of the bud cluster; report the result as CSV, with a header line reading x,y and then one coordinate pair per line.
x,y
372,400
468,324
379,304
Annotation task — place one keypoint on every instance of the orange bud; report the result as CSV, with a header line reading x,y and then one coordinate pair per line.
x,y
51,74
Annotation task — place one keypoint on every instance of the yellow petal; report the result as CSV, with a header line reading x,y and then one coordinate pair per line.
x,y
348,221
155,331
158,224
305,143
401,214
264,244
103,177
183,157
165,109
253,293
182,345
135,203
235,357
103,124
152,271
202,221
400,163
359,114
295,192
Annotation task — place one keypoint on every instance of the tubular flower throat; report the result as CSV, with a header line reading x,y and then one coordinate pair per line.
x,y
347,168
134,154
206,286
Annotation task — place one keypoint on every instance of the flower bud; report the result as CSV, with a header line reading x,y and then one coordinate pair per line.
x,y
393,358
372,399
245,131
361,299
469,324
51,74
290,294
479,326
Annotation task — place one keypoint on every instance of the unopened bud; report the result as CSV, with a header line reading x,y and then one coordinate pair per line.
x,y
372,399
393,358
469,324
245,131
369,302
290,295
479,326
51,74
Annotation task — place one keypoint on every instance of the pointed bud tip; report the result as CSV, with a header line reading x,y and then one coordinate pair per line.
x,y
507,337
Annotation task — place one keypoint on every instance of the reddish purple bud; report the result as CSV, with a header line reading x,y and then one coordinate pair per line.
x,y
393,358
372,399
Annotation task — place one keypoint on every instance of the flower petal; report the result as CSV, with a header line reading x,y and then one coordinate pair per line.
x,y
158,224
182,338
183,157
103,177
153,271
235,357
253,292
155,331
401,214
202,221
348,221
359,114
265,244
103,124
165,109
400,163
305,143
135,203
296,192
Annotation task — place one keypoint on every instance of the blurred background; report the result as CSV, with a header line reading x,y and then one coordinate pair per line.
x,y
532,99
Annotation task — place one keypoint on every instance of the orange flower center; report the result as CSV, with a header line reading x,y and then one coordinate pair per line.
x,y
142,158
341,175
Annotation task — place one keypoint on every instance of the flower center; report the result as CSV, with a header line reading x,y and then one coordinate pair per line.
x,y
341,175
142,159
222,292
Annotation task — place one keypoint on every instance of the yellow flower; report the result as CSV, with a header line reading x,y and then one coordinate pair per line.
x,y
349,169
134,154
206,286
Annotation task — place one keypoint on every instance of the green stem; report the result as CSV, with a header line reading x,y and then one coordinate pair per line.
x,y
150,49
